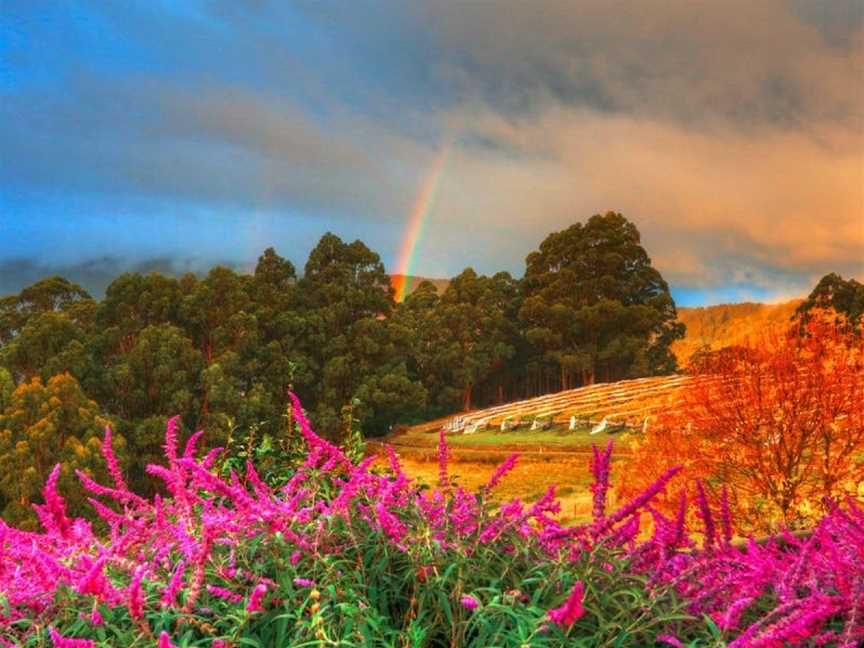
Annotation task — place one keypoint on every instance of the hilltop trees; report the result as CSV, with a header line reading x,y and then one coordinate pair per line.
x,y
844,297
346,297
474,334
594,305
222,350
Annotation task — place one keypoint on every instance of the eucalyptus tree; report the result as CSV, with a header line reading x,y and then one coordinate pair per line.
x,y
596,307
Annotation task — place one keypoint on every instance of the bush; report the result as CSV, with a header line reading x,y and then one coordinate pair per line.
x,y
342,556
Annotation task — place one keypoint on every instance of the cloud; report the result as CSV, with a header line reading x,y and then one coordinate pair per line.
x,y
731,133
94,274
713,206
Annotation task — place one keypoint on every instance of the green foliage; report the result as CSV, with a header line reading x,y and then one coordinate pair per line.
x,y
358,351
275,458
40,426
595,306
844,297
222,350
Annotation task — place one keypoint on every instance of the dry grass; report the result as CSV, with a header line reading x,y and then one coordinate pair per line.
x,y
529,480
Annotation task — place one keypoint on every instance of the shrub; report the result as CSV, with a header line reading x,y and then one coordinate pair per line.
x,y
342,556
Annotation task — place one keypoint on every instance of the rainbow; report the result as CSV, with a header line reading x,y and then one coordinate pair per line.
x,y
420,211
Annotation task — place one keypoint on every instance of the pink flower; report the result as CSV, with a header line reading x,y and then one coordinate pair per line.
x,y
572,608
136,598
94,581
169,596
304,582
600,468
224,594
500,472
165,641
669,639
469,602
111,461
256,597
62,642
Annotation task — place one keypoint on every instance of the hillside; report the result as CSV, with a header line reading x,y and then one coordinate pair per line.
x,y
412,281
725,324
617,405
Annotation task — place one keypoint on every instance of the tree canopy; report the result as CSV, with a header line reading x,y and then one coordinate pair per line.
x,y
595,306
223,349
844,297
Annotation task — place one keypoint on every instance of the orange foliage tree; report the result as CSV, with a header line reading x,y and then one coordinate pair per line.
x,y
779,421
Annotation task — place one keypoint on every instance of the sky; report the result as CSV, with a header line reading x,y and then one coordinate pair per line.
x,y
175,135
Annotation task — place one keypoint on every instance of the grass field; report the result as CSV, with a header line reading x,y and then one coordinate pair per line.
x,y
557,438
528,481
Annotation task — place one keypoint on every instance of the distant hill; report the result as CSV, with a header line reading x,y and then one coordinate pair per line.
x,y
413,282
725,324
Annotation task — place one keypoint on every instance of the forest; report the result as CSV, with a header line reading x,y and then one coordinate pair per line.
x,y
223,350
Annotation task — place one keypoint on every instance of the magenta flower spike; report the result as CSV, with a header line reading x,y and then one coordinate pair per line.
x,y
572,609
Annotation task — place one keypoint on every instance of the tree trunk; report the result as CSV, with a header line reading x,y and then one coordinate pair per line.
x,y
466,397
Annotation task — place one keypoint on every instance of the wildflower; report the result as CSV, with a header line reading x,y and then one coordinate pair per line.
x,y
171,442
94,581
165,641
96,617
224,594
256,597
500,472
600,468
169,597
135,598
62,642
304,582
670,640
469,602
572,609
638,502
705,513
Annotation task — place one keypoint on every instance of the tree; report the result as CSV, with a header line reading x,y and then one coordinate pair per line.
x,y
594,305
49,295
347,299
158,377
132,303
779,420
42,425
7,388
49,343
217,314
844,297
473,333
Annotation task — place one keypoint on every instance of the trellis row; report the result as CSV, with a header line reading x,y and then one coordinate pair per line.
x,y
624,403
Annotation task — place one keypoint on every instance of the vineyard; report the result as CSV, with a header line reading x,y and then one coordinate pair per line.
x,y
603,407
